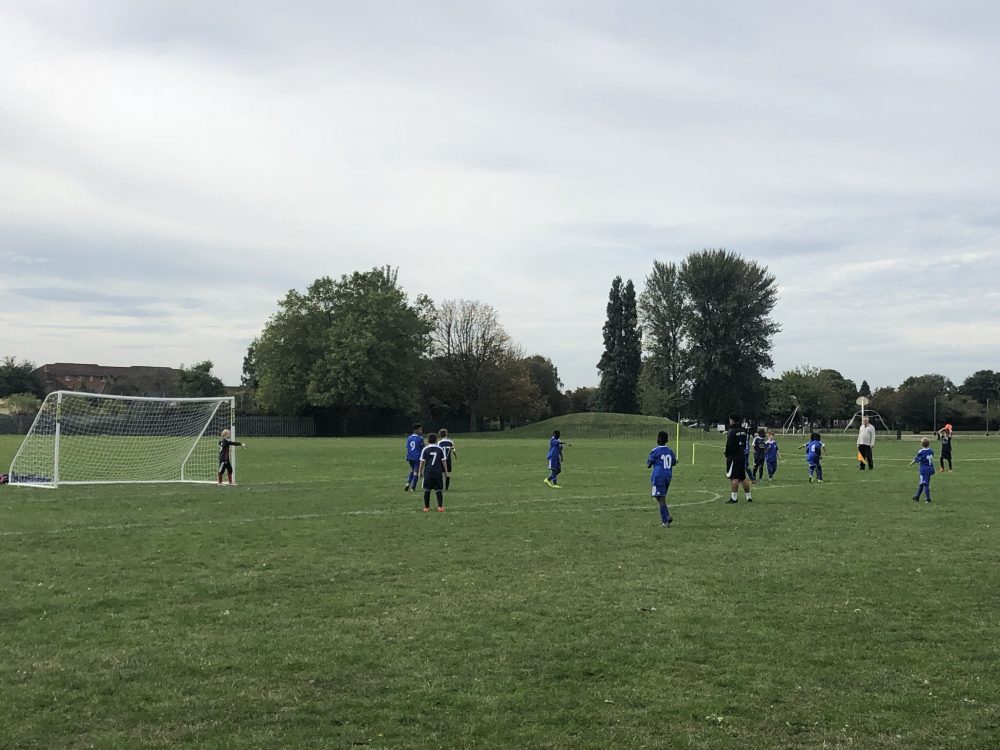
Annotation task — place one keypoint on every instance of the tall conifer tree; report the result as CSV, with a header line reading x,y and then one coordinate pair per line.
x,y
622,359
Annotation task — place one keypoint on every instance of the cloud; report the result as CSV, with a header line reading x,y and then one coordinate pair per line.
x,y
169,171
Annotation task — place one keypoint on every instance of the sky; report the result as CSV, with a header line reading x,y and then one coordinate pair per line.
x,y
169,170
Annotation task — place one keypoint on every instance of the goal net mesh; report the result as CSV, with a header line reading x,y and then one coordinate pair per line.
x,y
79,438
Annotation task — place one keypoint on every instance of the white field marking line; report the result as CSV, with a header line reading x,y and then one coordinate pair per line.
x,y
316,516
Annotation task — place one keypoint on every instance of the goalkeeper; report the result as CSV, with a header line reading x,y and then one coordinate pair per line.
x,y
225,465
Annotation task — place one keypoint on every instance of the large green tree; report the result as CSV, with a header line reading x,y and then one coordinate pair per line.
x,y
983,386
356,342
663,308
730,331
197,381
622,359
19,377
545,376
822,395
922,397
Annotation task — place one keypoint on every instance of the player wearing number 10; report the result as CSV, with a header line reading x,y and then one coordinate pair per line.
x,y
662,460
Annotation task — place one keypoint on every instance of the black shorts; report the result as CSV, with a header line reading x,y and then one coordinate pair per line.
x,y
736,468
433,483
225,466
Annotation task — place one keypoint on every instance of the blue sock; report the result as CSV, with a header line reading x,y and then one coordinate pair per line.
x,y
664,512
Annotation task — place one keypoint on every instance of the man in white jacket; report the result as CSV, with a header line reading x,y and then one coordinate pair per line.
x,y
866,439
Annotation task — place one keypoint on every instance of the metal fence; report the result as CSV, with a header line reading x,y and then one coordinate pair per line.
x,y
248,426
263,426
15,424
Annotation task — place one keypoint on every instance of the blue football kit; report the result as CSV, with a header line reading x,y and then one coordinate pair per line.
x,y
925,463
555,460
662,460
771,457
414,447
814,456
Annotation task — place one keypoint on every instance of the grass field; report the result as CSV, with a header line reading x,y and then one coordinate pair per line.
x,y
313,606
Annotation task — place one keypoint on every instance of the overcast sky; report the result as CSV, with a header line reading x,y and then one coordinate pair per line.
x,y
169,170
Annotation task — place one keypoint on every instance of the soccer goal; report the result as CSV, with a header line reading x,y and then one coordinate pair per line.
x,y
84,438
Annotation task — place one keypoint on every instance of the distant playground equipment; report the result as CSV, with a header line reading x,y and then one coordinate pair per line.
x,y
790,423
863,401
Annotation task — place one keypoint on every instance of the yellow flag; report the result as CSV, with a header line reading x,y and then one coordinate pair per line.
x,y
861,458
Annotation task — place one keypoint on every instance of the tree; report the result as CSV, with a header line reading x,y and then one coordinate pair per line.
x,y
23,403
511,395
472,347
982,385
622,359
545,376
19,377
197,381
582,399
816,392
865,389
664,380
844,395
885,401
729,327
917,398
356,342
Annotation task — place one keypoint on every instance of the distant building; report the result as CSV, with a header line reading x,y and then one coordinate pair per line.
x,y
115,381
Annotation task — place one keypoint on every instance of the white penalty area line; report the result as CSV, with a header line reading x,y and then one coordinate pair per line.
x,y
68,530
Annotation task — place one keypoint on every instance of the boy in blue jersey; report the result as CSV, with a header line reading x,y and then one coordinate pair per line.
x,y
925,461
555,459
414,446
662,460
815,450
758,456
771,455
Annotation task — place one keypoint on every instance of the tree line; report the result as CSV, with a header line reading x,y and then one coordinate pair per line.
x,y
357,353
697,341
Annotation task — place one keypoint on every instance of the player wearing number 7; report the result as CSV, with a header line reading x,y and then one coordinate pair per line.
x,y
662,460
431,468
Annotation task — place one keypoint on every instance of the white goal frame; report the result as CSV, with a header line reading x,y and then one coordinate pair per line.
x,y
48,424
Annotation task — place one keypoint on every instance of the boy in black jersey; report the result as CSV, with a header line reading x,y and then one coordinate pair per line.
x,y
448,446
736,460
225,465
432,460
759,454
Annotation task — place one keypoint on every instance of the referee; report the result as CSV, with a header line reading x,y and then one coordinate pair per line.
x,y
866,439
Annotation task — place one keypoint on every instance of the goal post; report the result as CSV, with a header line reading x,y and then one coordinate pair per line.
x,y
86,438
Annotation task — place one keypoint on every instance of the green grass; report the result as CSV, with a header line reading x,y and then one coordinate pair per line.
x,y
313,607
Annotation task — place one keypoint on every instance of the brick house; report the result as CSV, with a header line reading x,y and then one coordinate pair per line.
x,y
128,381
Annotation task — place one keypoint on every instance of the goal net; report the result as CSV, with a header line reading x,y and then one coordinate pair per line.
x,y
84,438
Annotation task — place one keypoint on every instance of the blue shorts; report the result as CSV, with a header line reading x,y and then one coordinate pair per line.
x,y
660,487
925,478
